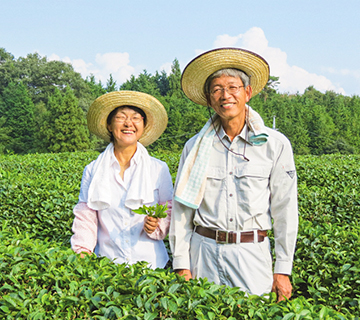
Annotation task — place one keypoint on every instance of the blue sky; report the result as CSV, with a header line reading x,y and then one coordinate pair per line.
x,y
305,42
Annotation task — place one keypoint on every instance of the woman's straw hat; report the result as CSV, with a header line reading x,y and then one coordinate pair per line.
x,y
156,116
199,69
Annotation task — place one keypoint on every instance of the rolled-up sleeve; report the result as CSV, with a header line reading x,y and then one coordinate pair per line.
x,y
84,229
85,224
164,224
165,188
284,208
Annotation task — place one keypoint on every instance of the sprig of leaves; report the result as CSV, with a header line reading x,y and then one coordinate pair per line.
x,y
156,211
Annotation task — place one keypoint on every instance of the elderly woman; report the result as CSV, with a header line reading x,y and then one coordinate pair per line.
x,y
123,178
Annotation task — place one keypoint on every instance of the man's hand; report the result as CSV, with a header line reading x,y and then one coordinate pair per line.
x,y
150,224
185,273
83,253
281,286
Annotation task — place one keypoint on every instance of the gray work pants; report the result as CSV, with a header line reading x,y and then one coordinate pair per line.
x,y
244,265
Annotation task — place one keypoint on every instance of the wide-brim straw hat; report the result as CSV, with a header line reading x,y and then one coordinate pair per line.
x,y
199,69
156,116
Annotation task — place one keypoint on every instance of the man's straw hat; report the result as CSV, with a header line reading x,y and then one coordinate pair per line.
x,y
156,116
199,69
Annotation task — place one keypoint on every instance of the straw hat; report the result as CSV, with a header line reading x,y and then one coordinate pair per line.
x,y
199,69
156,116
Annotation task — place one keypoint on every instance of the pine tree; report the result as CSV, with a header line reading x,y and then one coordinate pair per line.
x,y
96,89
65,128
4,135
18,109
175,80
111,84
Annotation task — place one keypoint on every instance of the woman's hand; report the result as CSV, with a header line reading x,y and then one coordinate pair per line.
x,y
150,224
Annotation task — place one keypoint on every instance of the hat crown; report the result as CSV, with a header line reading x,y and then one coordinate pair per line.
x,y
100,109
200,68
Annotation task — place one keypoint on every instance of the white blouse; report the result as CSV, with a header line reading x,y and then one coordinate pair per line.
x,y
117,232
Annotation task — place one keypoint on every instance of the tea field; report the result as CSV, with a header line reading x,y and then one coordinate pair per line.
x,y
41,278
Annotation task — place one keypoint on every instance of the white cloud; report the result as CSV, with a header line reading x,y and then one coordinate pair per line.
x,y
115,63
292,79
166,67
344,72
226,41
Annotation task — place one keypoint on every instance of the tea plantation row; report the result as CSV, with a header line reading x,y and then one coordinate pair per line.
x,y
41,278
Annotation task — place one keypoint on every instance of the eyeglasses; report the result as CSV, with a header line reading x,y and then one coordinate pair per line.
x,y
217,92
136,118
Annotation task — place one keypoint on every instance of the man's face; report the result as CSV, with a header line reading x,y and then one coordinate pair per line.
x,y
229,105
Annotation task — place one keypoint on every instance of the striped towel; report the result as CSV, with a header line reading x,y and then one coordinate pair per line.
x,y
191,184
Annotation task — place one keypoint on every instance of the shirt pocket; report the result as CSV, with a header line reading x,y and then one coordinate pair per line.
x,y
252,187
215,180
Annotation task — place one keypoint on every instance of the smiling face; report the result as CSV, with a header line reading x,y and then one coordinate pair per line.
x,y
229,106
126,133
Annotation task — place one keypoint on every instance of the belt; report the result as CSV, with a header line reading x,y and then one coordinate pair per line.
x,y
231,236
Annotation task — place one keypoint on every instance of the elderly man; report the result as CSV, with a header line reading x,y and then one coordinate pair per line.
x,y
236,180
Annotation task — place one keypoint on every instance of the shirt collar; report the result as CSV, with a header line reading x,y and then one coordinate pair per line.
x,y
134,160
242,135
112,157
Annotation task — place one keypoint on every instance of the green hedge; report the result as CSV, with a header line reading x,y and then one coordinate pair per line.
x,y
40,280
38,192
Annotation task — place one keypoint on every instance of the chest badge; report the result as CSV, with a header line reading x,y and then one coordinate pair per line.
x,y
291,173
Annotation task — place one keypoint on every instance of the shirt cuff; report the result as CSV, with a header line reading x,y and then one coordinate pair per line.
x,y
181,263
283,267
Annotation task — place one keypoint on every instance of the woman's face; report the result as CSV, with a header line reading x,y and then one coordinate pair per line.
x,y
127,126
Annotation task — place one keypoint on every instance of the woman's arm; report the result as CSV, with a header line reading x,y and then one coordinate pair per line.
x,y
165,188
163,226
84,228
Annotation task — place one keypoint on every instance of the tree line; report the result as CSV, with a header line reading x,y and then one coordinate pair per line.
x,y
43,107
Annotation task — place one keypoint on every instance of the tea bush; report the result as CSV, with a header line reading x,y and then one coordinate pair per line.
x,y
42,280
38,192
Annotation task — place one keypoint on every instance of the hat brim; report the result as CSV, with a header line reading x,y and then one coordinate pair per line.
x,y
156,116
199,69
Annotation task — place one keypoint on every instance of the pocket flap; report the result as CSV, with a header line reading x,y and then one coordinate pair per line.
x,y
216,173
253,171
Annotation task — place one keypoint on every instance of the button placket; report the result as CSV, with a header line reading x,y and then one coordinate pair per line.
x,y
231,191
126,240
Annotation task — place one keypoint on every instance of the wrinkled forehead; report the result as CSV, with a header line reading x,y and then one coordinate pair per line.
x,y
225,80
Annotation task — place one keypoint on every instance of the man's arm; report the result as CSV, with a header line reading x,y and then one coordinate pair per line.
x,y
284,211
181,228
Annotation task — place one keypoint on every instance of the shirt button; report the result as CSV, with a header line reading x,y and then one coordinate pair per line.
x,y
230,194
231,219
230,172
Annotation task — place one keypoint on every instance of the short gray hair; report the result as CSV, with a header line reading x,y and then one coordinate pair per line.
x,y
236,73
